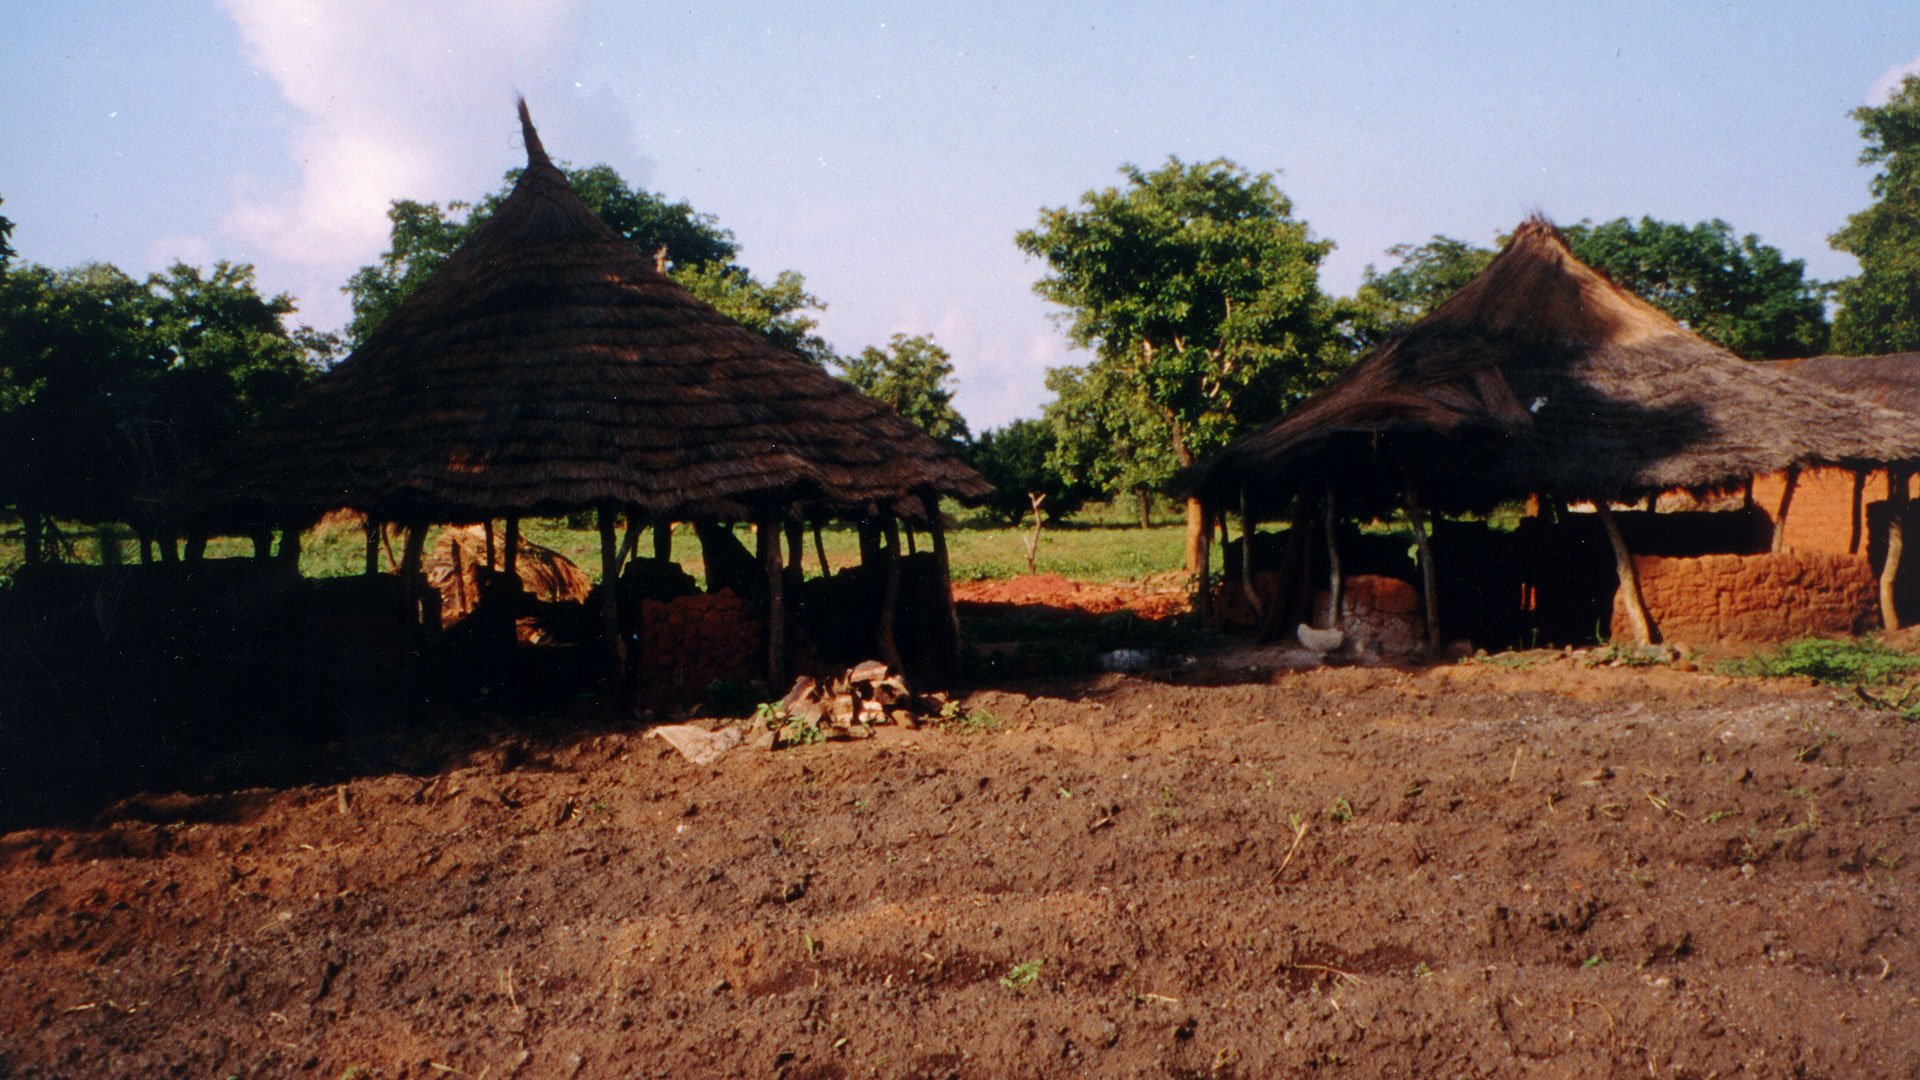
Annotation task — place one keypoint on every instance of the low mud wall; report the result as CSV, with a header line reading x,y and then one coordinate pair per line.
x,y
692,641
1749,598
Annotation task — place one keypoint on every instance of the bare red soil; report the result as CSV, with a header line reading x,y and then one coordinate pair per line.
x,y
1154,598
1492,869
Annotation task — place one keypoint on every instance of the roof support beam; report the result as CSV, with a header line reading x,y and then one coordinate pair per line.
x,y
1896,510
1786,503
768,528
1629,577
610,604
1417,520
1336,581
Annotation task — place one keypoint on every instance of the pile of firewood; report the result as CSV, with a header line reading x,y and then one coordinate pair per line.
x,y
846,707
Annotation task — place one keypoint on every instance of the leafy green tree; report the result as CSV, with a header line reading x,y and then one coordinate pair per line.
x,y
1017,461
1880,307
6,241
699,254
1743,295
1427,274
1199,288
1197,291
911,374
1106,437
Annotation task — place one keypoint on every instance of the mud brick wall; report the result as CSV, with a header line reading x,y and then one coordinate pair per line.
x,y
1821,516
691,641
1742,598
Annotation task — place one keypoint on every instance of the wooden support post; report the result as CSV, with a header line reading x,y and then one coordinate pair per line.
x,y
372,529
870,549
1858,511
820,549
1336,581
1203,583
1623,567
1417,518
262,544
769,543
146,544
1889,571
663,540
890,598
31,528
492,555
796,549
169,553
412,582
1786,502
289,547
511,563
610,605
196,546
937,529
1246,559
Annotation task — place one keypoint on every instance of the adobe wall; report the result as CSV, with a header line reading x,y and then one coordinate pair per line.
x,y
691,641
1821,516
1750,598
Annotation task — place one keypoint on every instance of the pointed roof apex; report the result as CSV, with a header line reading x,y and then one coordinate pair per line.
x,y
536,154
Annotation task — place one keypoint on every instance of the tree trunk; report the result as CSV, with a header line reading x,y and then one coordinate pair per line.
x,y
1623,568
1889,571
1146,508
1196,535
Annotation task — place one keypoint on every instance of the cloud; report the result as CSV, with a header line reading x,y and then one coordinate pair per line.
x,y
401,100
1887,83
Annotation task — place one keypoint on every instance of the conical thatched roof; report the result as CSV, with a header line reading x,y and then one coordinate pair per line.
x,y
1541,375
1892,380
549,367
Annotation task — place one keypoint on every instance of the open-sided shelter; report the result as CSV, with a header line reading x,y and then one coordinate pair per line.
x,y
1541,377
550,367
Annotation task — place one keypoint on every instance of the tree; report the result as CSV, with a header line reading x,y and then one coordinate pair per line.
x,y
1198,293
1743,295
1016,460
1107,438
6,241
699,255
910,374
1880,307
1428,273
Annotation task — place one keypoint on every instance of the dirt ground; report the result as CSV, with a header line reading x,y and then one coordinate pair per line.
x,y
1524,867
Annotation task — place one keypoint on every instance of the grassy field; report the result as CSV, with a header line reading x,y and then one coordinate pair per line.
x,y
1099,544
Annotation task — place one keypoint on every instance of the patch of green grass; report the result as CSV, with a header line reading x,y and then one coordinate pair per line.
x,y
1022,975
1848,662
1341,811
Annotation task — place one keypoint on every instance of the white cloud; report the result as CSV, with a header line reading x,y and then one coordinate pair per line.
x,y
400,100
1886,84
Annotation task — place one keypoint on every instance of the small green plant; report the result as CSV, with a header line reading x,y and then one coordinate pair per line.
x,y
1341,811
1854,662
1592,962
1716,816
973,721
1022,975
1421,970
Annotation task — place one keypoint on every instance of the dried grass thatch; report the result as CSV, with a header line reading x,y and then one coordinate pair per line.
x,y
1541,375
550,367
1892,380
454,569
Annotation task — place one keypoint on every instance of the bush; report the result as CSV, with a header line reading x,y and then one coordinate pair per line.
x,y
1865,662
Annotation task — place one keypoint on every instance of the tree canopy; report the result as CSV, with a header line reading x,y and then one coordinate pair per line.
x,y
699,255
911,374
1427,274
1198,293
1016,460
1880,307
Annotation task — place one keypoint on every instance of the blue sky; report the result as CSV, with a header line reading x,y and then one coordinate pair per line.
x,y
890,151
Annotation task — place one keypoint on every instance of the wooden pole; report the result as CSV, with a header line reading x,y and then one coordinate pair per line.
x,y
1623,567
512,561
1246,559
820,549
411,580
890,597
776,603
492,555
796,547
262,544
372,528
1786,501
31,528
610,603
1889,571
1203,594
1858,511
290,546
663,540
1417,518
937,529
1336,581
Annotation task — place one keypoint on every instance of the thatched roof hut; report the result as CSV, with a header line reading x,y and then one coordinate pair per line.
x,y
550,367
1543,376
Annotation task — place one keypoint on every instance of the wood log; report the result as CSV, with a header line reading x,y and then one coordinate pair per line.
x,y
1623,568
1889,570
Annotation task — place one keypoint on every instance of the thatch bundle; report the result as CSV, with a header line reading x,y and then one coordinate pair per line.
x,y
1542,376
454,569
1892,380
549,367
